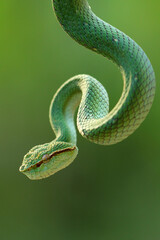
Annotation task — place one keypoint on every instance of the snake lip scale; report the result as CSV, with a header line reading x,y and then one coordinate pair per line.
x,y
94,120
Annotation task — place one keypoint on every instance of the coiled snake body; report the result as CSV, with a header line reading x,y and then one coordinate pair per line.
x,y
94,121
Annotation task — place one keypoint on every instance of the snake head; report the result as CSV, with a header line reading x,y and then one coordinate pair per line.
x,y
47,159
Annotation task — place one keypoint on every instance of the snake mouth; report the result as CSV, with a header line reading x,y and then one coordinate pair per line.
x,y
45,159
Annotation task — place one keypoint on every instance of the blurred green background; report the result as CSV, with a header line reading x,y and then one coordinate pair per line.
x,y
108,192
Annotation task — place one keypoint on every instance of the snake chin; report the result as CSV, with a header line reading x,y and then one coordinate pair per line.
x,y
44,160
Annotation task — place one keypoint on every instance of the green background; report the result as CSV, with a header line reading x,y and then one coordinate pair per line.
x,y
109,192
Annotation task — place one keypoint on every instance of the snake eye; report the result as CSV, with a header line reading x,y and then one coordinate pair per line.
x,y
45,157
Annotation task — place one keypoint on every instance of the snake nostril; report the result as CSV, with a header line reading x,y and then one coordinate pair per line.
x,y
21,168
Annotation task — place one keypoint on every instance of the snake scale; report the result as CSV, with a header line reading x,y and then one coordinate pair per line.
x,y
94,121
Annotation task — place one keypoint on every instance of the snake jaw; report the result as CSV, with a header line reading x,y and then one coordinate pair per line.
x,y
23,169
41,164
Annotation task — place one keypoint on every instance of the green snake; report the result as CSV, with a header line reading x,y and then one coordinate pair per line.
x,y
94,121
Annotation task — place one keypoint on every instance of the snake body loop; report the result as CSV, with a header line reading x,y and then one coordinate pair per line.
x,y
94,121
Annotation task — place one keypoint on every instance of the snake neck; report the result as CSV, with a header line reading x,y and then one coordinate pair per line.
x,y
62,111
